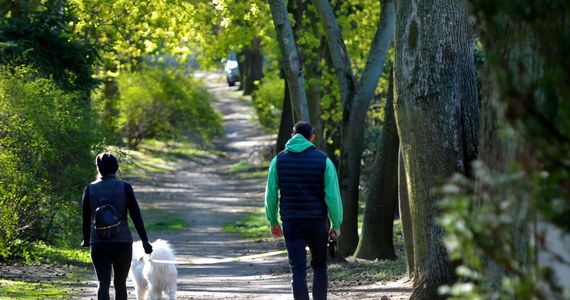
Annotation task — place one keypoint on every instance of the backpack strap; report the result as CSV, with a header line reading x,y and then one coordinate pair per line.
x,y
112,192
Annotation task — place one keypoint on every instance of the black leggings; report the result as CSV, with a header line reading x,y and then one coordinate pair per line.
x,y
109,258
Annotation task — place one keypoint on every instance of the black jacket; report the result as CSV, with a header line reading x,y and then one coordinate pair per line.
x,y
124,202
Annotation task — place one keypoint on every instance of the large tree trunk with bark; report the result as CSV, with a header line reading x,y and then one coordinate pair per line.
x,y
376,239
291,63
436,111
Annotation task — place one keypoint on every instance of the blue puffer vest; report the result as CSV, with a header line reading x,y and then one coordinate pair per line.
x,y
104,188
301,184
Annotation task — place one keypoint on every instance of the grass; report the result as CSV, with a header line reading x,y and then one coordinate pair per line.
x,y
253,226
154,156
41,279
33,290
249,169
168,224
361,272
60,255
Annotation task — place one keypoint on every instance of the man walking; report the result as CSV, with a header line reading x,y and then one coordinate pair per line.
x,y
303,183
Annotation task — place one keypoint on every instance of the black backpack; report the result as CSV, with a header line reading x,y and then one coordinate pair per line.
x,y
105,220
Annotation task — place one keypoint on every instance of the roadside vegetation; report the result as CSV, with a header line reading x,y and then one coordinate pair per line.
x,y
50,270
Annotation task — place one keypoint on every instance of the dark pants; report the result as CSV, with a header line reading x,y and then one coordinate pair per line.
x,y
109,258
313,233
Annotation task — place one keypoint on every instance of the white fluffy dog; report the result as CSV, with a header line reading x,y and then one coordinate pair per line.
x,y
154,277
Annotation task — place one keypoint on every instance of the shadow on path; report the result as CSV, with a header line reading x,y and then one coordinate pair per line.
x,y
206,197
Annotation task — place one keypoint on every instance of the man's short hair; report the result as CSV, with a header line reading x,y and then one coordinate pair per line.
x,y
303,128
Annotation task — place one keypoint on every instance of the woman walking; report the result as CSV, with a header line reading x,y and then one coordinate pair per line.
x,y
111,246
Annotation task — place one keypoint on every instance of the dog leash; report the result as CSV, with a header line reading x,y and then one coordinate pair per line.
x,y
212,261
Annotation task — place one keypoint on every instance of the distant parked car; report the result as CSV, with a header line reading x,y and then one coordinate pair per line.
x,y
232,70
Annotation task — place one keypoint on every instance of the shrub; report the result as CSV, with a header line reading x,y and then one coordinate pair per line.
x,y
165,103
45,141
268,102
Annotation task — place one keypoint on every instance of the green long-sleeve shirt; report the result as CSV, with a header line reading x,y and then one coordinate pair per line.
x,y
332,192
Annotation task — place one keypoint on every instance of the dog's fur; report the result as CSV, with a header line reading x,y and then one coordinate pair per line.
x,y
154,277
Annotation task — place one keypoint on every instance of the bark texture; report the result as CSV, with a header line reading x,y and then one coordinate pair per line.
x,y
376,239
355,98
253,67
287,121
436,111
292,65
405,215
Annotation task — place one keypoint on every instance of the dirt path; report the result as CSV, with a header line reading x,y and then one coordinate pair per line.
x,y
207,198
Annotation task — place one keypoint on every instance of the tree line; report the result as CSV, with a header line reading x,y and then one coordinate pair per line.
x,y
452,113
474,139
66,96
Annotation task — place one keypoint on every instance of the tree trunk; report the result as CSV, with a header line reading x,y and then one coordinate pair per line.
x,y
287,122
376,240
356,100
253,67
405,216
312,67
435,95
292,65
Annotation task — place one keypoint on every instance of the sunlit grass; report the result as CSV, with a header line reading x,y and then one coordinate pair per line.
x,y
73,262
253,226
168,224
356,272
156,219
39,252
249,169
154,156
33,290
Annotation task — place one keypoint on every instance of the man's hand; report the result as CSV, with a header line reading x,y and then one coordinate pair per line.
x,y
334,234
276,231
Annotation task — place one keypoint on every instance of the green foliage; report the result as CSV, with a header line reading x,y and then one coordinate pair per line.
x,y
46,261
359,22
238,23
532,78
45,42
126,32
268,102
481,217
165,103
45,144
534,87
40,252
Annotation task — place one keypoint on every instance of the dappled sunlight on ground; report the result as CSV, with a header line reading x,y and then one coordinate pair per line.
x,y
215,264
